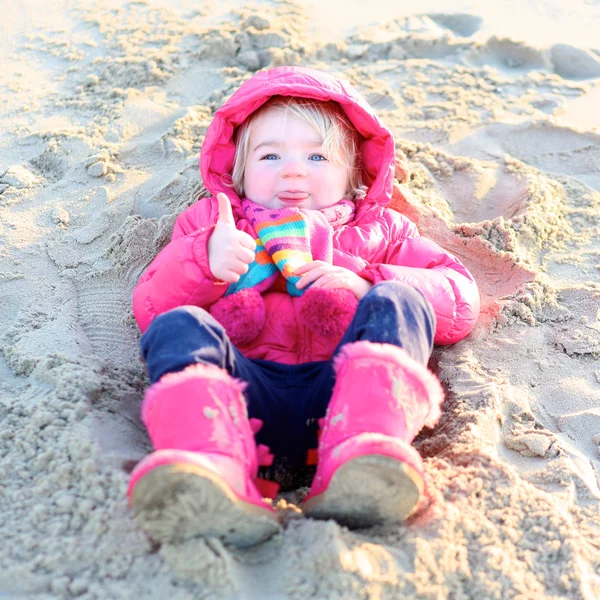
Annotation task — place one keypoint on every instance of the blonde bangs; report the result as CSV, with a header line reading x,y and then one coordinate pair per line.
x,y
341,141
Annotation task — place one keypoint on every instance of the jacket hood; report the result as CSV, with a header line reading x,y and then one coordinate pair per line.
x,y
218,149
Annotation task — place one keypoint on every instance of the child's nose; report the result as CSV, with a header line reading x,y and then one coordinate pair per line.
x,y
293,168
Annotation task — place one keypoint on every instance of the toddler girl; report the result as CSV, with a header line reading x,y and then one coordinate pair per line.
x,y
290,321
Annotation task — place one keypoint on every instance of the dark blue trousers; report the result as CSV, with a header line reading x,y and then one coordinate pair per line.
x,y
288,398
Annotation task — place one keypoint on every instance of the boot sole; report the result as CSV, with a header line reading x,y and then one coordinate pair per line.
x,y
178,501
366,491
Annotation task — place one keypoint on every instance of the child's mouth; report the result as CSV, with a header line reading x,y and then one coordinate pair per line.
x,y
292,197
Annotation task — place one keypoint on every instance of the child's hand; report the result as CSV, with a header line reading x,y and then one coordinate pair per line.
x,y
230,250
326,276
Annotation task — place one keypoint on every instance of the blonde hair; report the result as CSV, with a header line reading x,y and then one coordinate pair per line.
x,y
341,141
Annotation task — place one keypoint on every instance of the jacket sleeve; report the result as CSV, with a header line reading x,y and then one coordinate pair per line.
x,y
437,274
180,273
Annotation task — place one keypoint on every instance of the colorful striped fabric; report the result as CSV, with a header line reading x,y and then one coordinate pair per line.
x,y
287,238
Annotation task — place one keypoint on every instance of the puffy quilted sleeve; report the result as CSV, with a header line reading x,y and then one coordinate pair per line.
x,y
180,274
437,274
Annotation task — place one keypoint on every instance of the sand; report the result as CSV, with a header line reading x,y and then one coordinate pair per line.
x,y
103,107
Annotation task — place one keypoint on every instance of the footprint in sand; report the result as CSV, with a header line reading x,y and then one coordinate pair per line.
x,y
462,25
556,150
484,193
103,303
144,124
169,194
156,153
419,36
507,54
575,63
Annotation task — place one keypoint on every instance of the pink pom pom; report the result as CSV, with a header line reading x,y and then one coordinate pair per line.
x,y
328,312
242,315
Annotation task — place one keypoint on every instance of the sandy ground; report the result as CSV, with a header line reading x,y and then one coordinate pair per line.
x,y
103,107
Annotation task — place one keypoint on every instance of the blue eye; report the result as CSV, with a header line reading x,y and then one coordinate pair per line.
x,y
317,158
270,157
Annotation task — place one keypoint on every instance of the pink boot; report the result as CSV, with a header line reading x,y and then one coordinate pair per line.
x,y
368,473
202,478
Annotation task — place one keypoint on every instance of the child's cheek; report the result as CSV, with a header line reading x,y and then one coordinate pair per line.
x,y
260,180
265,177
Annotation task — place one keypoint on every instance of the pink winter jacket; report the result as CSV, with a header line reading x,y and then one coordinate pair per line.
x,y
380,244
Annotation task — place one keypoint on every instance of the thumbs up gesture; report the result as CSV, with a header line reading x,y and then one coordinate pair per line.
x,y
230,251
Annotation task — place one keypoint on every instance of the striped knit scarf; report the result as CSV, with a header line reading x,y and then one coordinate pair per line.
x,y
287,238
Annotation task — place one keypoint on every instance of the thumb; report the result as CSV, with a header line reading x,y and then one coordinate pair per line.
x,y
225,212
